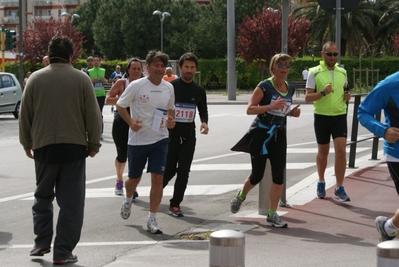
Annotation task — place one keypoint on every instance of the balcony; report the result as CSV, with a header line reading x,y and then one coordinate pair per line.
x,y
41,3
46,18
8,3
72,2
10,20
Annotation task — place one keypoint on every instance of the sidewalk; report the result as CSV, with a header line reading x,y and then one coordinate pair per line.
x,y
321,232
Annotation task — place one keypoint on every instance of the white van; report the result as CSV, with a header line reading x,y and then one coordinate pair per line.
x,y
10,94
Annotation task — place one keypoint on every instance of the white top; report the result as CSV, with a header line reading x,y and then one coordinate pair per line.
x,y
148,103
305,74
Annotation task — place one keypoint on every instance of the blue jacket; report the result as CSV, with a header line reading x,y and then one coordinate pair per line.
x,y
384,96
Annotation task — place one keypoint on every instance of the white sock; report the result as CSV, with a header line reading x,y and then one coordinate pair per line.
x,y
389,228
128,199
151,215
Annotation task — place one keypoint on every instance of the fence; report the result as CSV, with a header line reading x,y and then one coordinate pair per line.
x,y
372,77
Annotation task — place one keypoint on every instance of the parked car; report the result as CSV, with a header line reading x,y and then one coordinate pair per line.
x,y
10,94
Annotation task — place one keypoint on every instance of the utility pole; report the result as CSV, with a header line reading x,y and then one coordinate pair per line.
x,y
3,47
22,25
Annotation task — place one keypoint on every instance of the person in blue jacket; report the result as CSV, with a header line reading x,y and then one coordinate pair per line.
x,y
385,96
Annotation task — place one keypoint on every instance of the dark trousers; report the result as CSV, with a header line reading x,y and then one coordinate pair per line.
x,y
179,159
66,182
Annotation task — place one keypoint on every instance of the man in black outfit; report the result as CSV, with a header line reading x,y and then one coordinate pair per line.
x,y
189,96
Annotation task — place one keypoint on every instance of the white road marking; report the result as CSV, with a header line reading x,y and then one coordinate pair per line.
x,y
244,166
87,244
144,191
314,150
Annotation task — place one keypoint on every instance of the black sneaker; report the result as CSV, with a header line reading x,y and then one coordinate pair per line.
x,y
70,259
37,251
135,194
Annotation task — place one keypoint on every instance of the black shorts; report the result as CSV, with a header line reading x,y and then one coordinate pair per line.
x,y
393,168
326,126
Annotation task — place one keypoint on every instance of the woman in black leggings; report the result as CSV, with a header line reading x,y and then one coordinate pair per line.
x,y
120,129
266,139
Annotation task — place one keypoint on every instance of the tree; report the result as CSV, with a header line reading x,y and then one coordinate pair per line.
x,y
210,31
388,25
88,13
39,33
141,30
107,32
259,38
357,27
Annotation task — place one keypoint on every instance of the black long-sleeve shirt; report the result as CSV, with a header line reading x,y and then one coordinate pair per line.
x,y
188,93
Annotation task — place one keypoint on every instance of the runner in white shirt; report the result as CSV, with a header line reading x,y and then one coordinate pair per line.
x,y
151,101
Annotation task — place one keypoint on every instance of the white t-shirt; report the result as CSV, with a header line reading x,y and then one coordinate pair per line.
x,y
305,74
148,103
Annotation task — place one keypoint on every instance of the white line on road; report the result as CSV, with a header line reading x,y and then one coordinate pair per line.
x,y
144,191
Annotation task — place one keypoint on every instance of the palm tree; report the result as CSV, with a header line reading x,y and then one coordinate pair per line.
x,y
357,26
388,23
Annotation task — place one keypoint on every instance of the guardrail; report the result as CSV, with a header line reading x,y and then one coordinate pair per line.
x,y
355,126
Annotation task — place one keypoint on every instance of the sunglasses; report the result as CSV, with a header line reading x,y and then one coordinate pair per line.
x,y
281,65
329,54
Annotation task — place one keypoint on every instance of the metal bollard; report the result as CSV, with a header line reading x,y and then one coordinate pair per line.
x,y
264,190
388,254
226,249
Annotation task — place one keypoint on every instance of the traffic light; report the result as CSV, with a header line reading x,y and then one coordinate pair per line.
x,y
11,41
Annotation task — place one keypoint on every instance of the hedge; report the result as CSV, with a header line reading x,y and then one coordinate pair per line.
x,y
213,73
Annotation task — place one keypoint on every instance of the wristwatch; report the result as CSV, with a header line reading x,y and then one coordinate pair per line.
x,y
322,92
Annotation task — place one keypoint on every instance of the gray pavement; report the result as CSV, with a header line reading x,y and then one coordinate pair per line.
x,y
321,232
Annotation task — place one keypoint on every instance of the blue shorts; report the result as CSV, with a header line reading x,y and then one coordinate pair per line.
x,y
156,155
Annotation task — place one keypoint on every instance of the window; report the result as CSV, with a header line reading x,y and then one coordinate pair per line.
x,y
7,81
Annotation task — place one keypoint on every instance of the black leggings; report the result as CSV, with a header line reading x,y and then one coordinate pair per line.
x,y
120,134
277,154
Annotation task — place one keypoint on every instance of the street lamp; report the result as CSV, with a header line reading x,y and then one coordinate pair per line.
x,y
63,14
162,16
70,22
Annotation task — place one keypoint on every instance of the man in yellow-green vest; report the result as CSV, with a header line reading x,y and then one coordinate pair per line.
x,y
97,76
327,88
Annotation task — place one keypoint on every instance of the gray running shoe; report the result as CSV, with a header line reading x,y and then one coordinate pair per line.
x,y
119,188
125,209
339,193
321,189
275,221
235,203
379,224
152,227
